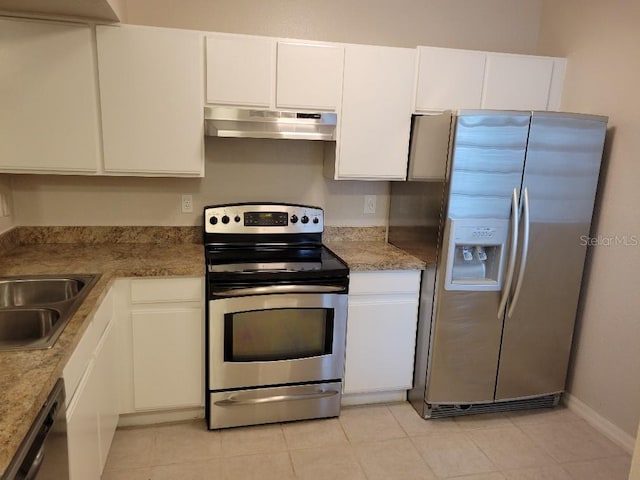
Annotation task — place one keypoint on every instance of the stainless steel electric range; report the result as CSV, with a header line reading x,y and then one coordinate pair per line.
x,y
276,315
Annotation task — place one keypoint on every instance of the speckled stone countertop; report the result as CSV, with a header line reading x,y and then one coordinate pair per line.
x,y
368,256
365,249
26,377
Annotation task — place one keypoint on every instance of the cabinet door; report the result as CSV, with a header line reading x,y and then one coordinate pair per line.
x,y
49,113
152,96
517,82
108,389
168,358
449,79
82,430
380,344
240,70
309,76
375,119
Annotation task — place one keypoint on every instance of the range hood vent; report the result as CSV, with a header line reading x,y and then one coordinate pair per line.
x,y
244,123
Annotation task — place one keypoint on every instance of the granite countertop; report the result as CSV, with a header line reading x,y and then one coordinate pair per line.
x,y
369,256
365,249
27,377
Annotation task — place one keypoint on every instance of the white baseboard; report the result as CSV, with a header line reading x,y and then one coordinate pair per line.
x,y
180,415
375,397
167,416
597,421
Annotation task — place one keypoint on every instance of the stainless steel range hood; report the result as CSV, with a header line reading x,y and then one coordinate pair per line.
x,y
245,123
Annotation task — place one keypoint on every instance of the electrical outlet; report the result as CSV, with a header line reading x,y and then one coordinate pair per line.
x,y
369,204
187,203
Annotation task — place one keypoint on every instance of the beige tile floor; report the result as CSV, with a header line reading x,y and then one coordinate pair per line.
x,y
381,442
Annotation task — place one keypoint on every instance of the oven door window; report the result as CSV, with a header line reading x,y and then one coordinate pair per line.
x,y
278,334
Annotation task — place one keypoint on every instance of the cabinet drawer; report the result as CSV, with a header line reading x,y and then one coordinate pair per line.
x,y
166,290
384,282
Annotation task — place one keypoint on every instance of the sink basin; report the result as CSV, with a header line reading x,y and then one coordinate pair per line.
x,y
36,291
26,326
35,309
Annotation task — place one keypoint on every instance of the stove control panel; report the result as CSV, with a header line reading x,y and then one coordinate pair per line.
x,y
263,218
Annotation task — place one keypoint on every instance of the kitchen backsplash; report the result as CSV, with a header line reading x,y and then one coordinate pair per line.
x,y
87,235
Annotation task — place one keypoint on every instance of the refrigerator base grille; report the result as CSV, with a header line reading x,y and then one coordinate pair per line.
x,y
452,410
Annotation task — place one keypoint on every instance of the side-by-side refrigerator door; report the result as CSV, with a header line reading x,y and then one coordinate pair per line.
x,y
487,162
558,191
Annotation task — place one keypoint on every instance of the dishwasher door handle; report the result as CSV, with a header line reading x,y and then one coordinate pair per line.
x,y
34,468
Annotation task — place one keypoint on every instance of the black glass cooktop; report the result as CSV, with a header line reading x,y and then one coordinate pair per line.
x,y
273,263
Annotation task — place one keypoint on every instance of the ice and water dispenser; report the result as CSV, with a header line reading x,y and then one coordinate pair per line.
x,y
476,254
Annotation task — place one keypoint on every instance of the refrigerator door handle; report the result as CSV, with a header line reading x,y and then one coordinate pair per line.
x,y
506,287
525,251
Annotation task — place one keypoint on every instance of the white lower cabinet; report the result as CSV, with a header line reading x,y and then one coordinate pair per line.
x,y
91,381
381,331
162,344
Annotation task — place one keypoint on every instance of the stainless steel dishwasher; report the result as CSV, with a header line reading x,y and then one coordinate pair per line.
x,y
43,453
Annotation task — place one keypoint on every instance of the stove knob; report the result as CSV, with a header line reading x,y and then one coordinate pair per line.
x,y
225,219
213,220
304,219
315,220
237,219
294,219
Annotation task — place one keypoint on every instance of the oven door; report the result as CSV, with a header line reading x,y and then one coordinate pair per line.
x,y
276,339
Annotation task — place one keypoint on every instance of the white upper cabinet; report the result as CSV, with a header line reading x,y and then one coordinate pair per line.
x,y
49,112
517,82
375,118
261,72
240,70
309,76
449,79
152,96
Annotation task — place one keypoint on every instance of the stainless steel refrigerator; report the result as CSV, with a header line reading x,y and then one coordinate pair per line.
x,y
511,216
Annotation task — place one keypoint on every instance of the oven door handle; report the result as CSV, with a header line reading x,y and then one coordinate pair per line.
x,y
240,292
236,402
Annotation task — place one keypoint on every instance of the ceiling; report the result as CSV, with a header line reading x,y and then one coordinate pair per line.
x,y
103,10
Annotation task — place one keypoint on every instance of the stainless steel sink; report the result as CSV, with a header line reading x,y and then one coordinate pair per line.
x,y
27,324
35,309
36,291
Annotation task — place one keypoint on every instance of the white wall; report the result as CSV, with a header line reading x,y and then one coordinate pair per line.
x,y
263,170
600,40
500,25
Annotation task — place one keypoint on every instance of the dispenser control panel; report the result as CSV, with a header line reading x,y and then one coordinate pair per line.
x,y
478,234
476,254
